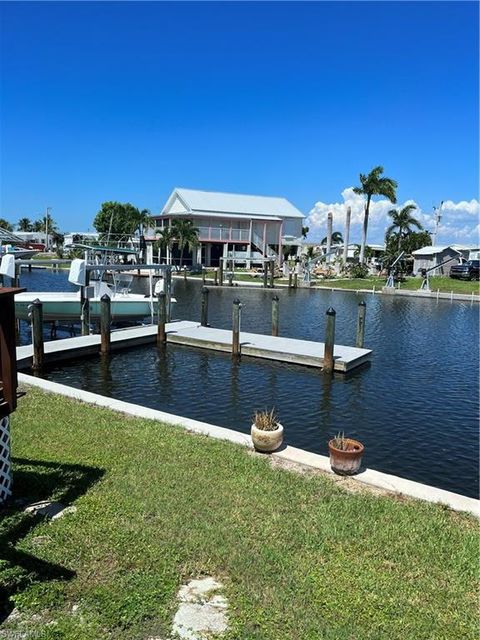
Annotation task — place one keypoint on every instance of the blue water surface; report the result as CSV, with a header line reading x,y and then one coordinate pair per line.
x,y
416,407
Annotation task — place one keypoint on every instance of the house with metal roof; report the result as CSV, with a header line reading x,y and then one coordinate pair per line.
x,y
444,257
246,228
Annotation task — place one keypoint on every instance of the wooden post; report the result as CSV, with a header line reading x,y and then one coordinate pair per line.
x,y
295,280
236,328
220,272
105,323
36,314
290,279
168,292
85,306
265,275
162,318
328,363
185,273
16,277
204,273
215,277
204,318
362,310
230,279
275,316
272,273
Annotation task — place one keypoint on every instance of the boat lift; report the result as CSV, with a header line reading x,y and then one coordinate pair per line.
x,y
425,286
391,272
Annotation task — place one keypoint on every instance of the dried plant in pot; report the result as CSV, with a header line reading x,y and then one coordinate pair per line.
x,y
267,432
345,455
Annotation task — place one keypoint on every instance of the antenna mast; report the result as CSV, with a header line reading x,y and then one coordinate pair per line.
x,y
438,218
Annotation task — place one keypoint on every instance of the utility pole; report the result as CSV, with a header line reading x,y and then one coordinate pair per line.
x,y
438,218
46,226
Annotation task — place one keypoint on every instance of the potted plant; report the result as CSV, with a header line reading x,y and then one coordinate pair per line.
x,y
345,455
267,432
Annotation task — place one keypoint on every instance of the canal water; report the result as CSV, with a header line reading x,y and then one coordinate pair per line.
x,y
415,407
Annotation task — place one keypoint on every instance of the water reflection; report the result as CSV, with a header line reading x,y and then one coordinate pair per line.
x,y
412,407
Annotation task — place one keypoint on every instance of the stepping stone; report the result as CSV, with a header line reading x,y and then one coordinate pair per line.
x,y
53,510
202,613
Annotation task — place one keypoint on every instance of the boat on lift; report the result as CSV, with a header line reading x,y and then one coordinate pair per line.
x,y
70,305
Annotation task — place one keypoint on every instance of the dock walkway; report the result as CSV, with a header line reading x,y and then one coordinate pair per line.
x,y
303,352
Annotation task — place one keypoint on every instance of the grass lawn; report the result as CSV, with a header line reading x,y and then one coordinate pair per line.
x,y
443,283
300,557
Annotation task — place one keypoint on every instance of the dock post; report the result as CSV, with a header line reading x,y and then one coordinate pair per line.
x,y
168,291
220,273
265,275
204,273
295,280
36,314
230,279
328,363
162,317
272,273
85,306
215,277
275,316
204,318
185,273
362,310
16,277
236,328
105,324
290,279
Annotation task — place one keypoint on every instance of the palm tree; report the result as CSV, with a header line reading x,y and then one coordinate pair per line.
x,y
4,224
186,235
337,238
402,223
24,224
305,231
143,221
374,185
167,237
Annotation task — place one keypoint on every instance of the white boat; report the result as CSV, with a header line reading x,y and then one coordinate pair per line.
x,y
67,305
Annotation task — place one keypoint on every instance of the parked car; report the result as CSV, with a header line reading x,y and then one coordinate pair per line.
x,y
469,270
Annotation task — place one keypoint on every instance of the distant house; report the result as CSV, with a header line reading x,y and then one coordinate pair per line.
x,y
429,257
247,228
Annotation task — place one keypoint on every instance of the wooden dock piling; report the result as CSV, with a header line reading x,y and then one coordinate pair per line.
x,y
36,315
204,316
204,273
162,318
105,324
275,302
272,273
290,279
85,306
185,273
265,275
220,273
295,280
328,362
236,328
215,277
362,310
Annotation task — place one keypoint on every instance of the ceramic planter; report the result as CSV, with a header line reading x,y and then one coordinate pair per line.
x,y
267,440
346,462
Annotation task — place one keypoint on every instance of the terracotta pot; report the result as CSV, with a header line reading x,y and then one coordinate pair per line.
x,y
267,440
346,463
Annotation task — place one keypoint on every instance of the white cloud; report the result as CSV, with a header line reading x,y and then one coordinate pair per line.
x,y
459,223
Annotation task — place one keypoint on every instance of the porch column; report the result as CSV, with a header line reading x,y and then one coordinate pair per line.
x,y
280,252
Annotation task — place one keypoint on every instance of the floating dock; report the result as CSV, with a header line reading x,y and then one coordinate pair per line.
x,y
303,352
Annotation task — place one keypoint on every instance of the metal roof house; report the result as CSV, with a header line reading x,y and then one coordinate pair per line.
x,y
429,257
247,228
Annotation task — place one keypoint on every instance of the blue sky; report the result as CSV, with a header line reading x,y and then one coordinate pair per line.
x,y
124,101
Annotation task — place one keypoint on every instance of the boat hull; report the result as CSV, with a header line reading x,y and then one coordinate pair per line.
x,y
67,307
